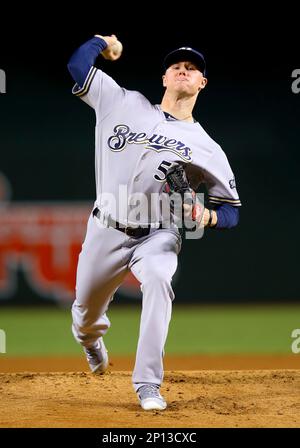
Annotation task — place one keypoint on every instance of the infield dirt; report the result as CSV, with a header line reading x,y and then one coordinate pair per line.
x,y
196,398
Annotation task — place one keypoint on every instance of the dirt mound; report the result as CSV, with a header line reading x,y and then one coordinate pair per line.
x,y
171,362
259,398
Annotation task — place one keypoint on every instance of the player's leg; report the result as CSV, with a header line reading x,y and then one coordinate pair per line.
x,y
101,269
154,263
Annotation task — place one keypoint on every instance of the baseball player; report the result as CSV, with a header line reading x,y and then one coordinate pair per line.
x,y
139,149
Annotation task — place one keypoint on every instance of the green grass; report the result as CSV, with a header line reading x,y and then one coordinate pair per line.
x,y
194,329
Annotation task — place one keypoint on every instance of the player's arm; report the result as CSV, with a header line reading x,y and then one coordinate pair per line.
x,y
223,197
83,59
92,83
224,216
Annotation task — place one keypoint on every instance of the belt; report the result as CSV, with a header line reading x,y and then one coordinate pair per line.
x,y
134,232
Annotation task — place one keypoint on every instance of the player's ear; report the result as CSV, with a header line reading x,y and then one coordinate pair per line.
x,y
203,83
164,80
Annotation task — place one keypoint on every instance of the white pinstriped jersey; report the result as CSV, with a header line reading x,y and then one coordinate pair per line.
x,y
136,144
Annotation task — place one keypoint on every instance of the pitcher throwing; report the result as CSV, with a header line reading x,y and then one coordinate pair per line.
x,y
137,146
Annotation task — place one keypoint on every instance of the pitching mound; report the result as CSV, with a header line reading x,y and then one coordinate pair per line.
x,y
261,398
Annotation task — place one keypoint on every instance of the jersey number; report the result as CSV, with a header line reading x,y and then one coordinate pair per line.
x,y
163,168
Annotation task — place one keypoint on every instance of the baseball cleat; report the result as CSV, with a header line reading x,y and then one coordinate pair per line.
x,y
97,357
150,398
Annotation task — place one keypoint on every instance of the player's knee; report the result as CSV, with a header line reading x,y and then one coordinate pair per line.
x,y
157,280
156,274
86,320
158,290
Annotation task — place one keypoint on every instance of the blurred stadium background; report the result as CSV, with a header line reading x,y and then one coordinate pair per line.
x,y
237,291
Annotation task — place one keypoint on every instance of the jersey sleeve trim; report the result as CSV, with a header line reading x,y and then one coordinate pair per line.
x,y
80,91
220,200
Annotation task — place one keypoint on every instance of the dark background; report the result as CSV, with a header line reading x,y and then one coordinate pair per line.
x,y
248,107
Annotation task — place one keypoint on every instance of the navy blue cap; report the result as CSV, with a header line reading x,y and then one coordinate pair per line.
x,y
186,54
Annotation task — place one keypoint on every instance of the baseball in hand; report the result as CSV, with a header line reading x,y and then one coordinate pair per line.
x,y
117,48
113,51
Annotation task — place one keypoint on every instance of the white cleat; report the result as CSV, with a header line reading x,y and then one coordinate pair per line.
x,y
150,398
97,357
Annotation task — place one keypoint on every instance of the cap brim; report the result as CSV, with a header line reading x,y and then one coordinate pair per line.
x,y
185,55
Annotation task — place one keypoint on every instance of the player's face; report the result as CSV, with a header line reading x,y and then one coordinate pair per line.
x,y
184,78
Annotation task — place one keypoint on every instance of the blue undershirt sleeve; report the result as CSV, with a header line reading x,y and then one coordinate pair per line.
x,y
228,216
84,58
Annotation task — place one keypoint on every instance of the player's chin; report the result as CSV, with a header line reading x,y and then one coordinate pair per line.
x,y
182,87
185,92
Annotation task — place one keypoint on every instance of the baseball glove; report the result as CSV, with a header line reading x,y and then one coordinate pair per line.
x,y
177,182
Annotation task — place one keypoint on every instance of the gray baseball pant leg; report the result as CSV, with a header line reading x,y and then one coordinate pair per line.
x,y
154,263
102,266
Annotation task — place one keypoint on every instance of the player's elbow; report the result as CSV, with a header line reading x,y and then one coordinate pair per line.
x,y
71,67
76,72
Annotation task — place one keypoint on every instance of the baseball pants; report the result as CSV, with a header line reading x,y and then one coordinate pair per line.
x,y
107,256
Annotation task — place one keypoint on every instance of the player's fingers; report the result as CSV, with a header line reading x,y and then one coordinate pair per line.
x,y
187,210
167,188
114,56
197,213
110,40
110,55
113,39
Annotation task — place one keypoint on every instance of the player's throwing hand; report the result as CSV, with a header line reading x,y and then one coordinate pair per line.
x,y
114,47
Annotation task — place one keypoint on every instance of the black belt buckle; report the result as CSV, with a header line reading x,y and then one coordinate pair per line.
x,y
137,232
129,231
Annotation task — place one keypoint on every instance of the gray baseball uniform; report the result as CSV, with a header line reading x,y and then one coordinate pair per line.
x,y
136,143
